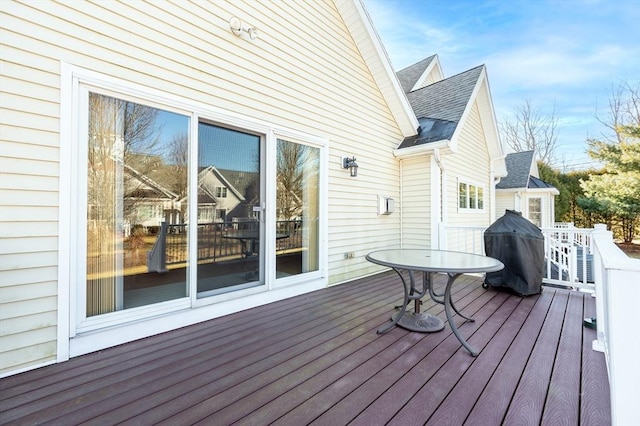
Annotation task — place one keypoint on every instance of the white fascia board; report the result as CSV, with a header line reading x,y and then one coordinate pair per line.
x,y
553,191
375,56
500,166
533,191
508,190
489,124
433,66
423,149
497,151
467,110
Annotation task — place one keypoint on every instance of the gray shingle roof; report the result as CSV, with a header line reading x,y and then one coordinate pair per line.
x,y
439,106
409,76
534,182
518,168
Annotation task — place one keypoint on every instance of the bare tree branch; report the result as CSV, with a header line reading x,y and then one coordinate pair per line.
x,y
529,129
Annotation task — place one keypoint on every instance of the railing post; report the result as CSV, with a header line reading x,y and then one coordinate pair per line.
x,y
599,232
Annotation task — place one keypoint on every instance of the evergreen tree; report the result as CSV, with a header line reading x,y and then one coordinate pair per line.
x,y
615,194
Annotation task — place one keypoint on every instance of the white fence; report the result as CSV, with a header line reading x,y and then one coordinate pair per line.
x,y
568,252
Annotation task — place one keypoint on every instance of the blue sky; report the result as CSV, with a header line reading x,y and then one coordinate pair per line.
x,y
564,52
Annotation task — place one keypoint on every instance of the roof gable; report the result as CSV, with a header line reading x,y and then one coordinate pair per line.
x,y
441,105
522,173
518,170
146,186
442,109
446,99
420,74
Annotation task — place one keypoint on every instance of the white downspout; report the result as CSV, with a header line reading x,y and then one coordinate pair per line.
x,y
492,193
441,200
401,192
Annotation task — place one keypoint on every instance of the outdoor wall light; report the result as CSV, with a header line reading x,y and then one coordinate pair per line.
x,y
350,163
238,27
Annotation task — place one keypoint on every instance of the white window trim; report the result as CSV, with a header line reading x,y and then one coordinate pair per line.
x,y
542,209
70,342
477,186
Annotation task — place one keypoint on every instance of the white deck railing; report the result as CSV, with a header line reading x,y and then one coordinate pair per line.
x,y
569,257
617,283
568,252
588,259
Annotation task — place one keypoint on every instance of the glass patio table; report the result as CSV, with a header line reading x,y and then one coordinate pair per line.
x,y
429,262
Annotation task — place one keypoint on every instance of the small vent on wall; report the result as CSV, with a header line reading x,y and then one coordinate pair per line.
x,y
386,205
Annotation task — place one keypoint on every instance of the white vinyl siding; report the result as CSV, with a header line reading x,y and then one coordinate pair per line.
x,y
28,213
416,202
304,73
504,201
471,165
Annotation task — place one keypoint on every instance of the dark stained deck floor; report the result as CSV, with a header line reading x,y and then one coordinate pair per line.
x,y
316,359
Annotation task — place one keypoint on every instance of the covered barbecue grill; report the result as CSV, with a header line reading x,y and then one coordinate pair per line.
x,y
519,244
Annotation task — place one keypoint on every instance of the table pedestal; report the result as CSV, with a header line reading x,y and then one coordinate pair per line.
x,y
429,262
421,322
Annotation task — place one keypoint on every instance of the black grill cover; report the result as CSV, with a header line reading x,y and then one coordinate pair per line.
x,y
519,244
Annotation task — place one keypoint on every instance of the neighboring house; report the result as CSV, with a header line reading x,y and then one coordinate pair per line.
x,y
178,83
449,168
146,202
522,190
218,199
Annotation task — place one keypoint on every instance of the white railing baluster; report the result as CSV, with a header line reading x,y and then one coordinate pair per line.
x,y
568,251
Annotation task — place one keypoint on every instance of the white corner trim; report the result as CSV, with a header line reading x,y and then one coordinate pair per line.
x,y
64,211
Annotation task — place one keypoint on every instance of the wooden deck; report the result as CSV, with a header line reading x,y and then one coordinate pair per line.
x,y
316,359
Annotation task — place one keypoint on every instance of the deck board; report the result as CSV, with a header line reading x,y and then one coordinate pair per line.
x,y
594,409
430,396
562,406
316,359
460,401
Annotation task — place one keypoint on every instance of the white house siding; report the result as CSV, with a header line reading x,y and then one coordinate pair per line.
x,y
504,201
416,202
547,206
470,164
304,72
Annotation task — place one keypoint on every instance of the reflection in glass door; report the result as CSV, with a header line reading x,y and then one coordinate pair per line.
x,y
230,205
136,195
298,209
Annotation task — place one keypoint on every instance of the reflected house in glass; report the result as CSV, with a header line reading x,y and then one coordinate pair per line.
x,y
148,203
219,200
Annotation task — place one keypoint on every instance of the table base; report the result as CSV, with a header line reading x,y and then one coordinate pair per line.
x,y
422,322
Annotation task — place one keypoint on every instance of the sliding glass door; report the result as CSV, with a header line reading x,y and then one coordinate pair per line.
x,y
297,208
169,211
230,210
135,193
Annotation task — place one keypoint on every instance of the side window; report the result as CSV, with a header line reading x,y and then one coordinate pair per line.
x,y
221,192
535,211
463,202
470,197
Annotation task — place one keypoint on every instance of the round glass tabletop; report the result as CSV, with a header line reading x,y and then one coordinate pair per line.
x,y
434,260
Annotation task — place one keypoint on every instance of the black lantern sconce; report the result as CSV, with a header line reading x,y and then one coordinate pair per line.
x,y
350,163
